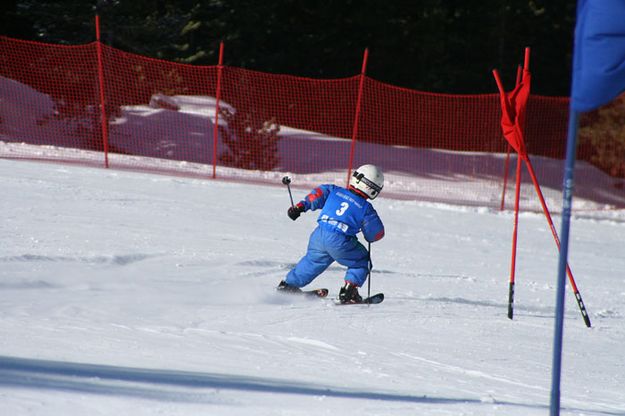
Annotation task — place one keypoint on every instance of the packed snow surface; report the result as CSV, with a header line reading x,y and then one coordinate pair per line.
x,y
127,293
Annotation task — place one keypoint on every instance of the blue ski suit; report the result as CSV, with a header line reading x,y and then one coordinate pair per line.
x,y
343,215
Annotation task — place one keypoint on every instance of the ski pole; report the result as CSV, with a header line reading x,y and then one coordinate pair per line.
x,y
287,181
370,267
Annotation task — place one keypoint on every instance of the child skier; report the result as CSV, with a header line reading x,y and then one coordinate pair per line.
x,y
344,213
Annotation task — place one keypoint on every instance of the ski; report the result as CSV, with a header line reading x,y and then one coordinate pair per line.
x,y
312,293
319,293
371,300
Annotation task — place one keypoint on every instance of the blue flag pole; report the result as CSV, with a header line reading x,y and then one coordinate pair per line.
x,y
598,78
567,200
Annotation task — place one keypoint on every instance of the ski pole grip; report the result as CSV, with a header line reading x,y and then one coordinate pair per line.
x,y
287,181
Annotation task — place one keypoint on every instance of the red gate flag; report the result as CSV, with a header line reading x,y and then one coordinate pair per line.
x,y
599,55
513,105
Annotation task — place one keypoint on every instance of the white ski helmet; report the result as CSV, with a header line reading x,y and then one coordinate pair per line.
x,y
368,179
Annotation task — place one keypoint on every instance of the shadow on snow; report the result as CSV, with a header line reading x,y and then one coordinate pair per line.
x,y
110,380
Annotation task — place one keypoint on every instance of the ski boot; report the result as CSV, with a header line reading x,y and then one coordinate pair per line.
x,y
283,286
349,294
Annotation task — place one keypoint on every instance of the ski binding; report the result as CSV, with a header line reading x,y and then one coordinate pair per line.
x,y
371,300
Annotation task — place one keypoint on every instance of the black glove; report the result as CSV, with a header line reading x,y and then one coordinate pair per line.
x,y
295,212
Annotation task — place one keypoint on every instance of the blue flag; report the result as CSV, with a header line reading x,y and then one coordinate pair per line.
x,y
599,53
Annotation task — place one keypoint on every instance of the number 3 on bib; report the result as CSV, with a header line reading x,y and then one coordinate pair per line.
x,y
341,211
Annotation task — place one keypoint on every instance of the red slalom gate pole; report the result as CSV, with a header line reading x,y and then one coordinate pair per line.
x,y
104,118
578,296
517,197
517,194
357,116
516,216
217,99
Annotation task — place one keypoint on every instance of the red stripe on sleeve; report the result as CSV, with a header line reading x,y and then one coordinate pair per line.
x,y
317,193
379,236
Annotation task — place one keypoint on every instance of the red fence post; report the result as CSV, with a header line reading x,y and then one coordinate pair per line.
x,y
104,119
506,167
217,98
357,116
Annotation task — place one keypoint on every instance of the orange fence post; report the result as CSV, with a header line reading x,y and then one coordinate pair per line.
x,y
217,98
357,116
104,118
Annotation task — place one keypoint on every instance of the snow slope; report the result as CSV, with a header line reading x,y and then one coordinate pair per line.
x,y
127,293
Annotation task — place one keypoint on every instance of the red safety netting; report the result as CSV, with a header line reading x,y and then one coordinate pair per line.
x,y
163,116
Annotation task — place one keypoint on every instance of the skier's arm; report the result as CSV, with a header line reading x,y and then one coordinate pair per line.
x,y
316,198
372,227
